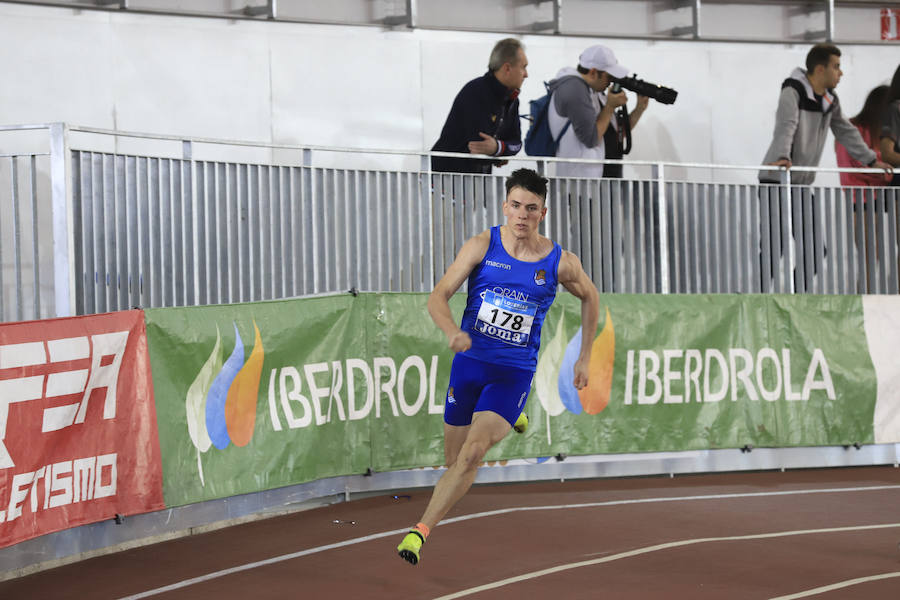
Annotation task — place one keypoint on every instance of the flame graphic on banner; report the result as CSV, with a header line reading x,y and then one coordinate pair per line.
x,y
240,405
220,403
595,395
566,381
218,394
195,402
547,373
555,377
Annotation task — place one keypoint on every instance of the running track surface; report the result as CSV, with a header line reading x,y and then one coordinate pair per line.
x,y
826,534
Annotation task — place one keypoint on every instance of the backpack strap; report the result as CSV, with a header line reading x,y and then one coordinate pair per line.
x,y
563,132
568,122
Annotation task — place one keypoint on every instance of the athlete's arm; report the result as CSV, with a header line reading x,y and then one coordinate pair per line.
x,y
469,256
572,276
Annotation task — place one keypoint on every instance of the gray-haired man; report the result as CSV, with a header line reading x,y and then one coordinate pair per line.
x,y
484,118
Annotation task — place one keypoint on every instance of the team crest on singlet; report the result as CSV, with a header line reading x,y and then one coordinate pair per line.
x,y
540,277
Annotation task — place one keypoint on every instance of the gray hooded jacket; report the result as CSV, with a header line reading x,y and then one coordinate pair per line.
x,y
574,101
801,126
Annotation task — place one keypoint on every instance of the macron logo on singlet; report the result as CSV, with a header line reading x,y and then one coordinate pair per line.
x,y
499,265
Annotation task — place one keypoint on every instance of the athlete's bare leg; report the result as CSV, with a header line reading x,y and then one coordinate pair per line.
x,y
454,438
486,430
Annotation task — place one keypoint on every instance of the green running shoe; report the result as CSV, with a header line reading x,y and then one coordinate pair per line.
x,y
521,423
410,546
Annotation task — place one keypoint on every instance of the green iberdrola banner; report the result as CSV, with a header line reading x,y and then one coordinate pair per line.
x,y
702,372
263,395
258,396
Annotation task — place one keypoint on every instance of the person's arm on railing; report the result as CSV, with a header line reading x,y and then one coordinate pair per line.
x,y
851,179
787,116
848,135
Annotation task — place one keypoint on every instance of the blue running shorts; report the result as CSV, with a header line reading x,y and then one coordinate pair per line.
x,y
478,386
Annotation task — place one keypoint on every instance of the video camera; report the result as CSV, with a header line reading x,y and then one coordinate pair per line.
x,y
640,87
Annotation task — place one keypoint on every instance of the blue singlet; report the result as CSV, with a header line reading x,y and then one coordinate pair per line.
x,y
508,299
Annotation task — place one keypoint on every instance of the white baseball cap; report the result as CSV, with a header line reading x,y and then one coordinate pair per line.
x,y
602,58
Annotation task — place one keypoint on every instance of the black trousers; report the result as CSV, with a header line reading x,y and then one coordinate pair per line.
x,y
805,234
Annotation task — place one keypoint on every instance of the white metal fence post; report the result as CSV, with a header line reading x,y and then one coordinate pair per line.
x,y
789,198
63,235
662,211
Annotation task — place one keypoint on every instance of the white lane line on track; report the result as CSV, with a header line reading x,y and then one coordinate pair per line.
x,y
837,586
647,550
261,563
375,536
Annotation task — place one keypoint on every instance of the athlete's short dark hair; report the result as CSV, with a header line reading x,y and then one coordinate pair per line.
x,y
527,180
820,54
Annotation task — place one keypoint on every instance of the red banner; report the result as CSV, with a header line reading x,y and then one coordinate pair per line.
x,y
78,436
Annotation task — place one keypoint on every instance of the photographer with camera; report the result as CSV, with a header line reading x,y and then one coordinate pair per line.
x,y
585,114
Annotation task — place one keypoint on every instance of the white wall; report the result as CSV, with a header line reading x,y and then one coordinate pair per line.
x,y
369,87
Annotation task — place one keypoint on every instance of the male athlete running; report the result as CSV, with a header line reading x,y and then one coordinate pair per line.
x,y
513,272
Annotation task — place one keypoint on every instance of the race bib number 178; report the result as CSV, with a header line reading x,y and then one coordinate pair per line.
x,y
505,319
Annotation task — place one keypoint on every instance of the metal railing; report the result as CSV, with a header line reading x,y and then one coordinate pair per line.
x,y
98,224
33,233
19,239
667,20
